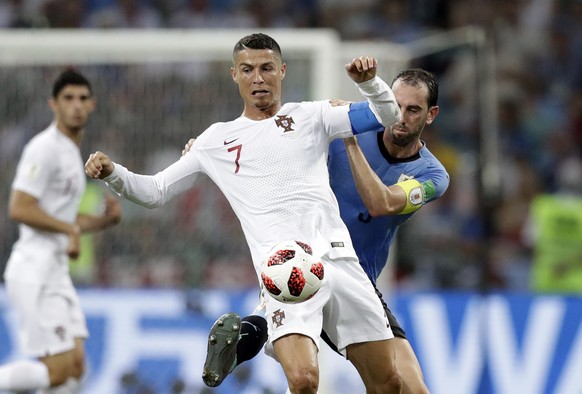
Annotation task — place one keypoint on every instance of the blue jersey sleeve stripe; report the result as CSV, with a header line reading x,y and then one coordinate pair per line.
x,y
362,118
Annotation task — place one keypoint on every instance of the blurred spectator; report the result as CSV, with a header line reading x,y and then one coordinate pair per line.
x,y
555,233
124,14
21,14
352,19
394,23
201,14
64,14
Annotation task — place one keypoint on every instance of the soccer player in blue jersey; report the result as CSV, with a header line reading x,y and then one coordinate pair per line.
x,y
394,175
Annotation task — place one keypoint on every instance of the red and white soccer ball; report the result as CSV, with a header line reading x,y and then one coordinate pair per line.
x,y
290,273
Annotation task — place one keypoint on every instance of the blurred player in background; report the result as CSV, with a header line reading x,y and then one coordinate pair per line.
x,y
394,175
271,165
45,198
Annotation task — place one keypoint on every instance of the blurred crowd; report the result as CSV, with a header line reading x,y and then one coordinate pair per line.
x,y
458,242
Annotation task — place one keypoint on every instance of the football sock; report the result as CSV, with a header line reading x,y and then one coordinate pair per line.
x,y
253,335
24,375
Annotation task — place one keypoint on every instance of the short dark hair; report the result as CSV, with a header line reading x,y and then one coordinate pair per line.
x,y
417,76
257,41
70,77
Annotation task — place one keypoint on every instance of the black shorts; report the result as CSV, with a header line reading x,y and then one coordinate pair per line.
x,y
394,325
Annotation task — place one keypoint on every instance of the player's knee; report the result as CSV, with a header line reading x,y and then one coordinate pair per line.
x,y
392,384
78,368
303,380
58,373
386,383
419,388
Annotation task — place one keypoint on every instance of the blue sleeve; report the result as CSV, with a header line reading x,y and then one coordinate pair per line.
x,y
362,118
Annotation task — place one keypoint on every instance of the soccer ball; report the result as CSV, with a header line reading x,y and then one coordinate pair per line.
x,y
290,273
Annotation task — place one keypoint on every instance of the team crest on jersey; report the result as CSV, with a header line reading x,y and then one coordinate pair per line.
x,y
60,332
415,196
278,317
285,122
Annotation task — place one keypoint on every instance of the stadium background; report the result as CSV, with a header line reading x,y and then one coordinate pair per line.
x,y
509,132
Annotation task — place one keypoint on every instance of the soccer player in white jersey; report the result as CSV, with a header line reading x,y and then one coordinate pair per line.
x,y
271,164
389,168
45,198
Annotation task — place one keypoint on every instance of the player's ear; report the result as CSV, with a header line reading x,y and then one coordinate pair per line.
x,y
283,70
52,104
92,104
233,74
432,114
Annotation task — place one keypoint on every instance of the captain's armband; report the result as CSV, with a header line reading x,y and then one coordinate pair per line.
x,y
414,195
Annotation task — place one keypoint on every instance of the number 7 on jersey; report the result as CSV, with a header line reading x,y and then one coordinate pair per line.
x,y
236,148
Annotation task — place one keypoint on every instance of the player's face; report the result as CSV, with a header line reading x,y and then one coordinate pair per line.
x,y
258,74
72,107
413,103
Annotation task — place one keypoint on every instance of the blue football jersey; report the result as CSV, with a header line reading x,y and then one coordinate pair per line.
x,y
372,237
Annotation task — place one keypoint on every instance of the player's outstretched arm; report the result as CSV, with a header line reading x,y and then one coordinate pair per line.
x,y
381,99
99,165
378,198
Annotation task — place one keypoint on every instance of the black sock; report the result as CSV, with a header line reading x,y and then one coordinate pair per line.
x,y
253,332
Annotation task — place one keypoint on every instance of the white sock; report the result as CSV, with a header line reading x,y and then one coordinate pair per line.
x,y
71,386
24,375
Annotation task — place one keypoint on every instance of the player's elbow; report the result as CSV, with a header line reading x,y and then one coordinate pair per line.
x,y
14,214
377,210
382,205
16,211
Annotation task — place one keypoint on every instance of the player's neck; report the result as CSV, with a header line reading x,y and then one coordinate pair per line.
x,y
403,152
76,135
254,113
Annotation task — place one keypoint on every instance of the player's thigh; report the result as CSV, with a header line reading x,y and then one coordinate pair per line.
x,y
409,367
60,366
79,358
297,354
66,364
373,360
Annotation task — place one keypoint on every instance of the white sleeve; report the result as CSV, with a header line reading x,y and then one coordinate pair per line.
x,y
35,169
152,191
382,100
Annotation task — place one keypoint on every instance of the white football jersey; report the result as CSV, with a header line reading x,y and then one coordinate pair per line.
x,y
272,171
50,169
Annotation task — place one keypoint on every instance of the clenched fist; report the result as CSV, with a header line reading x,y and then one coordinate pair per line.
x,y
99,165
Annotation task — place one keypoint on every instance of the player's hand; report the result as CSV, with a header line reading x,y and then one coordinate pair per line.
x,y
112,209
188,146
74,245
99,165
362,69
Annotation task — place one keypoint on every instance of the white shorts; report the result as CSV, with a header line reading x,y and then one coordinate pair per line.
x,y
346,307
50,317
